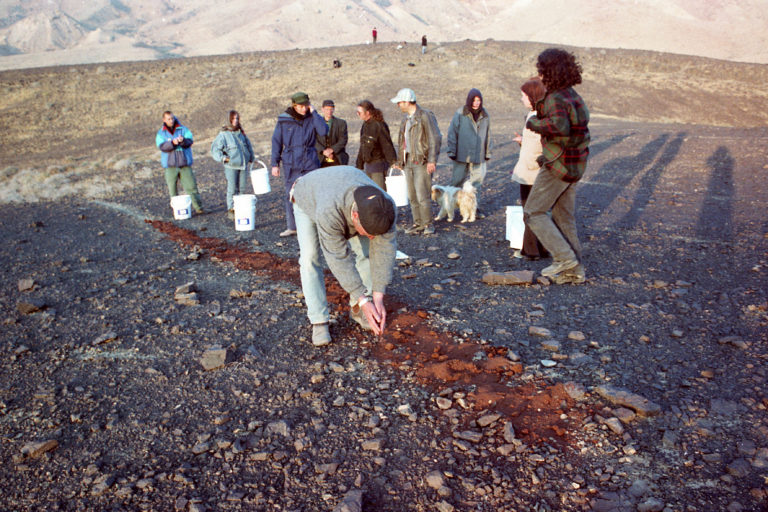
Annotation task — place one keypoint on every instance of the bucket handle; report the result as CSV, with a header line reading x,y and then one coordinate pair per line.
x,y
263,165
389,171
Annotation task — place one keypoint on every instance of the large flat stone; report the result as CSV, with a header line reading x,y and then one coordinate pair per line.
x,y
511,277
637,403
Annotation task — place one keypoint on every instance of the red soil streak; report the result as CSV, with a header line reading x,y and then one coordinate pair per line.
x,y
438,360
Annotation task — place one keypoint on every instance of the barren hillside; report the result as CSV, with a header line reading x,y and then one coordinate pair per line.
x,y
54,32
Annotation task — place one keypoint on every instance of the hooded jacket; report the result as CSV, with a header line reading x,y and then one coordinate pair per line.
x,y
174,156
293,141
469,140
233,144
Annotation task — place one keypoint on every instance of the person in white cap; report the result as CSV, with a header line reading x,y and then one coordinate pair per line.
x,y
418,146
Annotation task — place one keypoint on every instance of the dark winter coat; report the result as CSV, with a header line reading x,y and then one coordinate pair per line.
x,y
375,144
293,141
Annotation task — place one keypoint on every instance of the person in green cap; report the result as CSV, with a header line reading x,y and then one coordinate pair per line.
x,y
293,146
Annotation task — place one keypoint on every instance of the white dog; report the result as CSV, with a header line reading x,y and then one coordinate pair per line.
x,y
449,198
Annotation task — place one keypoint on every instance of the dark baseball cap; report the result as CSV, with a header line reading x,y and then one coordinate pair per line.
x,y
300,98
328,103
375,209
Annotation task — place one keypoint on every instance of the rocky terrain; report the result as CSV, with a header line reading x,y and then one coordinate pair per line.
x,y
153,364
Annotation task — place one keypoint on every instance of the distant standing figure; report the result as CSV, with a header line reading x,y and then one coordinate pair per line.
x,y
377,153
469,141
374,34
527,167
175,142
561,120
418,147
423,44
293,146
233,148
331,148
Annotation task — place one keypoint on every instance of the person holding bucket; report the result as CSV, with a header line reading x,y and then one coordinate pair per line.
x,y
344,214
293,146
233,148
377,153
418,146
174,140
527,166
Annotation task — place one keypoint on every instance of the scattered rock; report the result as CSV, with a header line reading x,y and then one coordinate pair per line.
x,y
576,336
642,406
104,338
512,277
435,479
26,284
214,357
551,345
27,307
35,449
488,419
535,330
352,502
454,255
575,390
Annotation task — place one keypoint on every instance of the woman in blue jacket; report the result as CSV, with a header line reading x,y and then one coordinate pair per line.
x,y
232,148
293,146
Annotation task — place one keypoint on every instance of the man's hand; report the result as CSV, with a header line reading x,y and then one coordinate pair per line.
x,y
328,152
431,168
276,171
376,313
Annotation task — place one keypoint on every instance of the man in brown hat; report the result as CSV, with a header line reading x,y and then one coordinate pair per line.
x,y
337,209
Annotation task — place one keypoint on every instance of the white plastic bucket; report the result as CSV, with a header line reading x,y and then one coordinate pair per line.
x,y
182,207
396,187
515,226
260,179
245,212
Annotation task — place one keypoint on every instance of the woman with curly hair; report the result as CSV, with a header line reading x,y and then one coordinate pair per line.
x,y
561,120
377,153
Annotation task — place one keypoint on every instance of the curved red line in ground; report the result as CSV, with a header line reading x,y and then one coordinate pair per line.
x,y
438,359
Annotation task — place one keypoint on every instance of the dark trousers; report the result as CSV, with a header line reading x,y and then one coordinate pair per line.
x,y
531,245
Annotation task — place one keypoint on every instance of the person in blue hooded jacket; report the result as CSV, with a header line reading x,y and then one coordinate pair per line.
x,y
233,148
469,141
293,146
175,143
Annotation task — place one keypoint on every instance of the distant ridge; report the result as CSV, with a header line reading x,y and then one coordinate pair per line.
x,y
36,33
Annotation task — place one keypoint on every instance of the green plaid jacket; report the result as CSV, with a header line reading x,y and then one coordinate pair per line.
x,y
561,120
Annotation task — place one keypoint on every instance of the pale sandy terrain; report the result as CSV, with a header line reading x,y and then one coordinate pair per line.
x,y
47,33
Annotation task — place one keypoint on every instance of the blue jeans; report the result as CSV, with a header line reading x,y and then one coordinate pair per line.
x,y
558,233
237,183
311,269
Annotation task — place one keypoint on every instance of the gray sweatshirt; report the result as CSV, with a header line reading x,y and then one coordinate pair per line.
x,y
326,195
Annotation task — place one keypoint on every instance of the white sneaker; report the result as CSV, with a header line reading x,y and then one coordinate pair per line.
x,y
321,336
287,232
